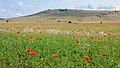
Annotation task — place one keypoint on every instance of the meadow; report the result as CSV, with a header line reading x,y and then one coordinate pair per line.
x,y
59,45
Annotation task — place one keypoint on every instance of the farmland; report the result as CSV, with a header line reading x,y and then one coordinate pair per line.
x,y
59,45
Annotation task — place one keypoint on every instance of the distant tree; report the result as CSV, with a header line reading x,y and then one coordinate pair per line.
x,y
66,9
1,19
69,21
63,9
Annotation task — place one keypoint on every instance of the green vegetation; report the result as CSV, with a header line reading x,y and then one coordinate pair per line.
x,y
59,45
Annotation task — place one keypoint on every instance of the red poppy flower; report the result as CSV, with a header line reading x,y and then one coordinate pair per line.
x,y
99,38
103,54
77,41
18,32
53,56
89,39
28,50
105,35
40,33
76,34
32,53
27,38
113,36
87,58
108,34
44,30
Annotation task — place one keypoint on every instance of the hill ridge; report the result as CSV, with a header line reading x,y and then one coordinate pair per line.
x,y
62,15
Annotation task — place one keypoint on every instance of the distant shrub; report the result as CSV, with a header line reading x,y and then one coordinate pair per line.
x,y
104,14
116,11
7,20
100,22
38,21
53,18
58,20
69,22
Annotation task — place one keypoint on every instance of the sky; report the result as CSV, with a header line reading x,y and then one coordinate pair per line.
x,y
16,8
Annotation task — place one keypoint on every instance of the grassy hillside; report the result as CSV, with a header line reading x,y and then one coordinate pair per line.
x,y
65,15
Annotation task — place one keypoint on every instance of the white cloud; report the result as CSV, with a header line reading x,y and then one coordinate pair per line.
x,y
100,7
20,3
117,7
19,14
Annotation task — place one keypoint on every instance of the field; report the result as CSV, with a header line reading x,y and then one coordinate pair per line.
x,y
59,45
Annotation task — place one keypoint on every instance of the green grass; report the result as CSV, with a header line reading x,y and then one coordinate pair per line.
x,y
69,54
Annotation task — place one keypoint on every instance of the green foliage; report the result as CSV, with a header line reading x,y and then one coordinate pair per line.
x,y
69,54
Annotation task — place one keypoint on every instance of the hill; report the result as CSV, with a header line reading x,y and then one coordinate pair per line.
x,y
2,19
65,15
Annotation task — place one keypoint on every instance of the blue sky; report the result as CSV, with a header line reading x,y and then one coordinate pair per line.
x,y
15,8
